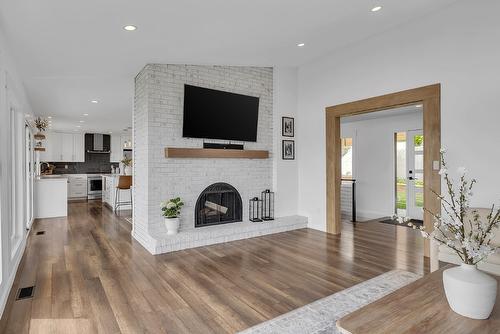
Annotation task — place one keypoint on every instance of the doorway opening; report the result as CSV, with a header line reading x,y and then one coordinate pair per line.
x,y
429,97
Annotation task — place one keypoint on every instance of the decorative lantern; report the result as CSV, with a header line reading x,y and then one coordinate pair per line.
x,y
255,210
267,197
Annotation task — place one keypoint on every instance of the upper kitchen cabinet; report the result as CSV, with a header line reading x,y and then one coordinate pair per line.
x,y
78,147
119,142
63,147
116,148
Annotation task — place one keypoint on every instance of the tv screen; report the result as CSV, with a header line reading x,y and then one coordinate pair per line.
x,y
214,114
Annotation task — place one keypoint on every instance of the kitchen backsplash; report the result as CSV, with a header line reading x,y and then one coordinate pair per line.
x,y
82,167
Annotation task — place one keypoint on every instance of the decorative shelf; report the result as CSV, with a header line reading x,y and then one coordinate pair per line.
x,y
39,136
41,149
176,152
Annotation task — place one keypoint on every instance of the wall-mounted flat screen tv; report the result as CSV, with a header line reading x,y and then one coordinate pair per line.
x,y
214,114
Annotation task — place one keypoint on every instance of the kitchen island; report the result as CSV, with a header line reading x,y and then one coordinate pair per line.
x,y
109,183
50,196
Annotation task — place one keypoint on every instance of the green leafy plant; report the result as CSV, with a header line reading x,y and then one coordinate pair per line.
x,y
172,208
126,162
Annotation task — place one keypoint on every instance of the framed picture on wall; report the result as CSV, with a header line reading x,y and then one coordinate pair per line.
x,y
288,150
287,127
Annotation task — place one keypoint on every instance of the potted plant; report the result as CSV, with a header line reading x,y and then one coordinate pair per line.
x,y
470,292
127,163
171,210
41,125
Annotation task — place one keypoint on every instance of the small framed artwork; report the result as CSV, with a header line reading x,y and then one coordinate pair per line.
x,y
287,127
288,150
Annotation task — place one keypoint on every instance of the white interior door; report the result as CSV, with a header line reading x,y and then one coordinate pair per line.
x,y
415,174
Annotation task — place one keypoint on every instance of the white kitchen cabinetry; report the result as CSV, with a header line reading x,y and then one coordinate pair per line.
x,y
66,146
116,148
77,186
63,147
78,147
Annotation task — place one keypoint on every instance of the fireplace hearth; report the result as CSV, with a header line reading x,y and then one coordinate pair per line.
x,y
219,203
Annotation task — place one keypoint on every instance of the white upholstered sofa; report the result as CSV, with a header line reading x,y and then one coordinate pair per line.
x,y
445,254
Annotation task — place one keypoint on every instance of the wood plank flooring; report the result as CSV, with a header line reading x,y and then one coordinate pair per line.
x,y
92,277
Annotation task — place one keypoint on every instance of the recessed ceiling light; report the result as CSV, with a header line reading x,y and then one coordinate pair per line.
x,y
49,117
85,114
110,132
82,121
94,101
78,126
376,8
130,28
301,45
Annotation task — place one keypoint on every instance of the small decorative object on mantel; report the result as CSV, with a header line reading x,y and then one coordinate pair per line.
x,y
288,150
267,197
127,163
255,210
287,127
171,210
469,291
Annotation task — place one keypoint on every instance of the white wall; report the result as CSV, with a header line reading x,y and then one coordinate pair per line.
x,y
12,204
373,161
285,172
457,47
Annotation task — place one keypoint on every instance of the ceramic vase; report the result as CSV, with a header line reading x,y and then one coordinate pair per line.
x,y
127,170
172,225
470,292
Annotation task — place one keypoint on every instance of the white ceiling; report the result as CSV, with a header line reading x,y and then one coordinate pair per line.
x,y
72,52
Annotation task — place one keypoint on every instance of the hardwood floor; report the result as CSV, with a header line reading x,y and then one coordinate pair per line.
x,y
92,277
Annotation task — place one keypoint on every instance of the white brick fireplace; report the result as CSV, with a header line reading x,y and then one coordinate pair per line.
x,y
158,113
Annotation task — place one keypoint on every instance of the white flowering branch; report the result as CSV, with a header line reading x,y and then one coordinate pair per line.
x,y
471,244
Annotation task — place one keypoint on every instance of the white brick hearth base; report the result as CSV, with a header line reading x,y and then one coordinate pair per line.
x,y
210,235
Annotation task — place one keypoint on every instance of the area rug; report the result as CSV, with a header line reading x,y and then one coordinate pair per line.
x,y
415,222
320,316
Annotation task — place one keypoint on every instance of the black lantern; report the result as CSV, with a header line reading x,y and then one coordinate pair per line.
x,y
267,197
255,210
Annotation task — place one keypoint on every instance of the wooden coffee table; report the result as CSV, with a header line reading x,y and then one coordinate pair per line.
x,y
419,307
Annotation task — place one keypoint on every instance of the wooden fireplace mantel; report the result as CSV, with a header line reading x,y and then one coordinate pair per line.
x,y
177,152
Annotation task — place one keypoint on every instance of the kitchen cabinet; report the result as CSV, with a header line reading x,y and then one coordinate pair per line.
x,y
116,148
63,147
77,186
78,147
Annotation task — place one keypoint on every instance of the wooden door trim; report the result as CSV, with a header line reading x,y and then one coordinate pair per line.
x,y
430,98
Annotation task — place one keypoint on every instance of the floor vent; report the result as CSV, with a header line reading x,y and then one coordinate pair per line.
x,y
40,232
26,292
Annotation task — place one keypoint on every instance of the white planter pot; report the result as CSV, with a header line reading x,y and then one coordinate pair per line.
x,y
172,225
127,170
469,291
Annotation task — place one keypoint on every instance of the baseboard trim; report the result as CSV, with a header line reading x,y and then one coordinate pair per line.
x,y
4,298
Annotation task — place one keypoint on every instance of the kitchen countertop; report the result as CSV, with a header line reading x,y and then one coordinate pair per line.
x,y
51,177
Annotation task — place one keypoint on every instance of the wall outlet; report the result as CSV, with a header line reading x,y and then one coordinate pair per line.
x,y
436,165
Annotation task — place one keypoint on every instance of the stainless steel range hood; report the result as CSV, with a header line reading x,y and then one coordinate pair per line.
x,y
98,144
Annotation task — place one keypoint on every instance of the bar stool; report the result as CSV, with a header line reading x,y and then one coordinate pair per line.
x,y
124,183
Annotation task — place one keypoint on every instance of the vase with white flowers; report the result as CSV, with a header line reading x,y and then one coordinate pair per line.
x,y
171,210
469,291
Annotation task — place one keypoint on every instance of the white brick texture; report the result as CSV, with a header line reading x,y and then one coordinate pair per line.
x,y
158,113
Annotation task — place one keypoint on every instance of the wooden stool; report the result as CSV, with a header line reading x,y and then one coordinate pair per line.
x,y
124,183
